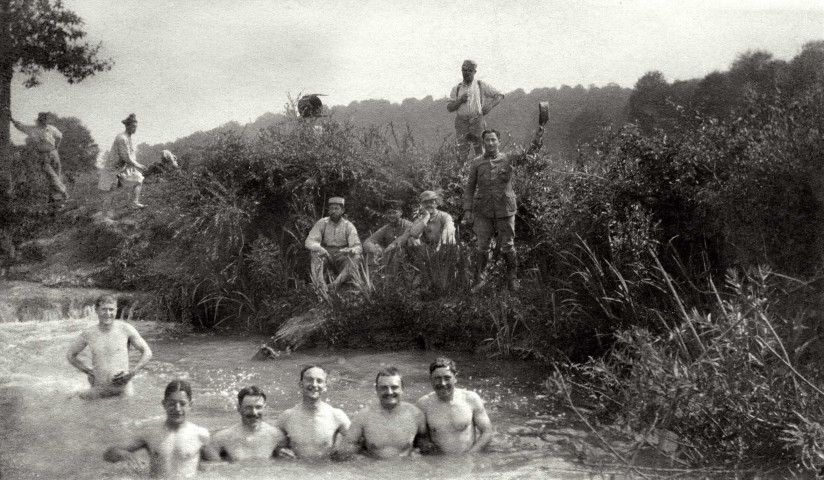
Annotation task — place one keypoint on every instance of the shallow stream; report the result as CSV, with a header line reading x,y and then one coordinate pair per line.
x,y
49,432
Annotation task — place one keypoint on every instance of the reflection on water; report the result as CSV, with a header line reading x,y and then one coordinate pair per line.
x,y
49,432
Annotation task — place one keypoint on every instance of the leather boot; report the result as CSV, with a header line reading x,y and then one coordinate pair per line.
x,y
481,259
512,271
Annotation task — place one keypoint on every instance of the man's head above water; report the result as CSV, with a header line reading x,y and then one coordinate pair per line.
x,y
443,377
313,383
251,402
389,387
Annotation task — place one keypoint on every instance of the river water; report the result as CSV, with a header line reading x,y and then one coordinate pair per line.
x,y
49,432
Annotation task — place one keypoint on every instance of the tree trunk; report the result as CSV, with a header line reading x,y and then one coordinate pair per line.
x,y
6,72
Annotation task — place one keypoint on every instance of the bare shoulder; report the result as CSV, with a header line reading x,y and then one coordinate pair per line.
x,y
126,328
224,434
472,398
340,415
201,433
425,401
285,417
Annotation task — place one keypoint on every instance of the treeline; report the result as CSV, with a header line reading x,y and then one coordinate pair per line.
x,y
576,115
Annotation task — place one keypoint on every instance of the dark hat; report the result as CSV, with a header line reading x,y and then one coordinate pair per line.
x,y
428,195
336,200
543,113
394,206
310,105
129,120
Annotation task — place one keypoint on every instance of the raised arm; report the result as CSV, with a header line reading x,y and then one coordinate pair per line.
x,y
448,231
481,421
27,129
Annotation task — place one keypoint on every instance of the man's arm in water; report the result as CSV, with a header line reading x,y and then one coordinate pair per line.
x,y
352,441
481,421
213,451
74,350
125,452
423,442
146,354
343,426
283,448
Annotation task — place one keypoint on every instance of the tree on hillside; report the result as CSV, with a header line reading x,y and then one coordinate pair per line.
x,y
648,101
78,151
36,36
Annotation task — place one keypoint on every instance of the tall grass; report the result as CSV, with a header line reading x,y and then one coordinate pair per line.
x,y
737,382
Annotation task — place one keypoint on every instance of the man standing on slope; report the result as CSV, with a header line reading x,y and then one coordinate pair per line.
x,y
467,99
123,157
46,139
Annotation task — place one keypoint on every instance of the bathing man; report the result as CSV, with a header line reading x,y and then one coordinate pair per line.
x,y
312,426
456,418
109,342
390,428
175,445
252,438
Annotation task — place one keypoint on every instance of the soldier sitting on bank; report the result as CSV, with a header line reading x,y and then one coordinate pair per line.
x,y
334,246
395,226
432,227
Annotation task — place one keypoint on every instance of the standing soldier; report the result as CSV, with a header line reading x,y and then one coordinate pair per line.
x,y
124,158
489,202
46,140
467,99
334,245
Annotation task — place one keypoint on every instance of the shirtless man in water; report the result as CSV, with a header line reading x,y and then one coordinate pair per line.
x,y
109,342
390,428
312,426
175,445
456,418
252,438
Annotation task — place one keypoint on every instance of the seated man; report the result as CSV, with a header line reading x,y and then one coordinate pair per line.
x,y
456,418
252,438
390,428
395,227
312,426
175,446
433,227
166,165
334,246
109,342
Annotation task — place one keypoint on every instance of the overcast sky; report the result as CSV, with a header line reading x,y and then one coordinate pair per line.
x,y
184,66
